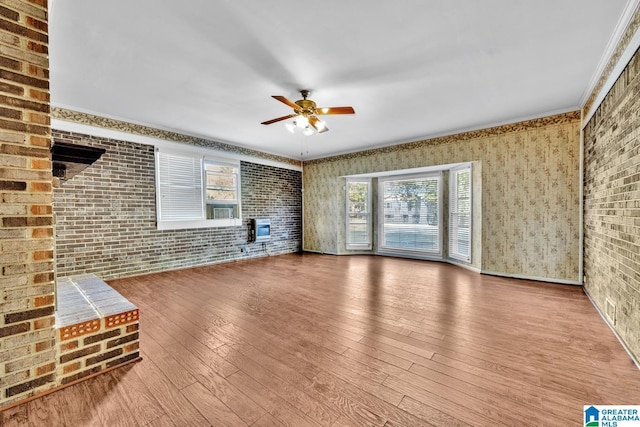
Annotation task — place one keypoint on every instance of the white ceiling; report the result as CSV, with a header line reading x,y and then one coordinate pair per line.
x,y
412,69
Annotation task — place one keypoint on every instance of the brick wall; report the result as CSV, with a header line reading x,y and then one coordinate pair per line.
x,y
612,205
27,354
105,216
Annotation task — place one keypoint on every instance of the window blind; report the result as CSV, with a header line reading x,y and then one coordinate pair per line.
x,y
410,214
358,214
180,187
460,214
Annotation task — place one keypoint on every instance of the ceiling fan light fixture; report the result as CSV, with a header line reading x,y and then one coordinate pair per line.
x,y
291,127
305,114
302,122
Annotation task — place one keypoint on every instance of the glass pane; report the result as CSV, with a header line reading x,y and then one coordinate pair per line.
x,y
460,216
220,194
222,183
358,227
410,214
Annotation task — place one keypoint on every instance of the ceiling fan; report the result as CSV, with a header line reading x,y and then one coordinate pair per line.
x,y
306,114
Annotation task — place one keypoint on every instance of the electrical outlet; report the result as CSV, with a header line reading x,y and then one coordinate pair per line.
x,y
610,311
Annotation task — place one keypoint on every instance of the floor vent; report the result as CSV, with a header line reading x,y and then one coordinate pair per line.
x,y
610,311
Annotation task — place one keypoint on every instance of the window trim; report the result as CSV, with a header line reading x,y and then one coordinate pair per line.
x,y
359,246
203,222
417,254
453,255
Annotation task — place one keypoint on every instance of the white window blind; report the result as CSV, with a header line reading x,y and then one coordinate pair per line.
x,y
180,188
410,220
460,214
359,214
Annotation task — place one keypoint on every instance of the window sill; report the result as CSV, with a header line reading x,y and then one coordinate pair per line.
x,y
206,223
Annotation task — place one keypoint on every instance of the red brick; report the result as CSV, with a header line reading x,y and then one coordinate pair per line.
x,y
41,164
41,209
133,328
44,345
39,95
41,119
37,24
39,141
38,47
41,3
41,370
39,233
44,323
40,187
131,347
71,367
69,346
42,255
39,72
43,301
43,278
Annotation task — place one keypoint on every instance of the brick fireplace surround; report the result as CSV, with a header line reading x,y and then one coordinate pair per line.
x,y
94,328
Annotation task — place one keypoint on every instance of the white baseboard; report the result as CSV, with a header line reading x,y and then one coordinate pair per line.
x,y
536,278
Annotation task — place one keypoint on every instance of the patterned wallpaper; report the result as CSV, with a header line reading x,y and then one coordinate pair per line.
x,y
529,179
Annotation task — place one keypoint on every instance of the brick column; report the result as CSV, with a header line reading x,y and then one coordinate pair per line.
x,y
27,339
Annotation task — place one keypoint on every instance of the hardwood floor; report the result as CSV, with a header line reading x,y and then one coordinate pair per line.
x,y
308,340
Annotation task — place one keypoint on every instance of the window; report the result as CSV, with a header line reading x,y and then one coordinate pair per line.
x,y
410,221
358,214
196,192
460,214
221,191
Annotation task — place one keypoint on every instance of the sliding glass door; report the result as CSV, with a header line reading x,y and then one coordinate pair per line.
x,y
410,221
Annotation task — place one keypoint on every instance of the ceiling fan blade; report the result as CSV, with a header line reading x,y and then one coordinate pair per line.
x,y
335,110
268,122
317,124
286,101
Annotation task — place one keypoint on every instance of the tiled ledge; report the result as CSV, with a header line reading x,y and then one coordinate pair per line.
x,y
97,327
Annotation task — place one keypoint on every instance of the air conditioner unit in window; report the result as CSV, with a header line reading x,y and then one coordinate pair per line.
x,y
222,213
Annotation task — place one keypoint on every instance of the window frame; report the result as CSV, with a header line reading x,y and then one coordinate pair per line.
x,y
202,221
360,245
453,193
382,249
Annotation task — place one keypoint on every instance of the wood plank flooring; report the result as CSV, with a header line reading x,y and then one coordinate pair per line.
x,y
319,340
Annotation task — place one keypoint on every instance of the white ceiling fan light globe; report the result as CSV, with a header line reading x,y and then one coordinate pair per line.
x,y
302,122
291,127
